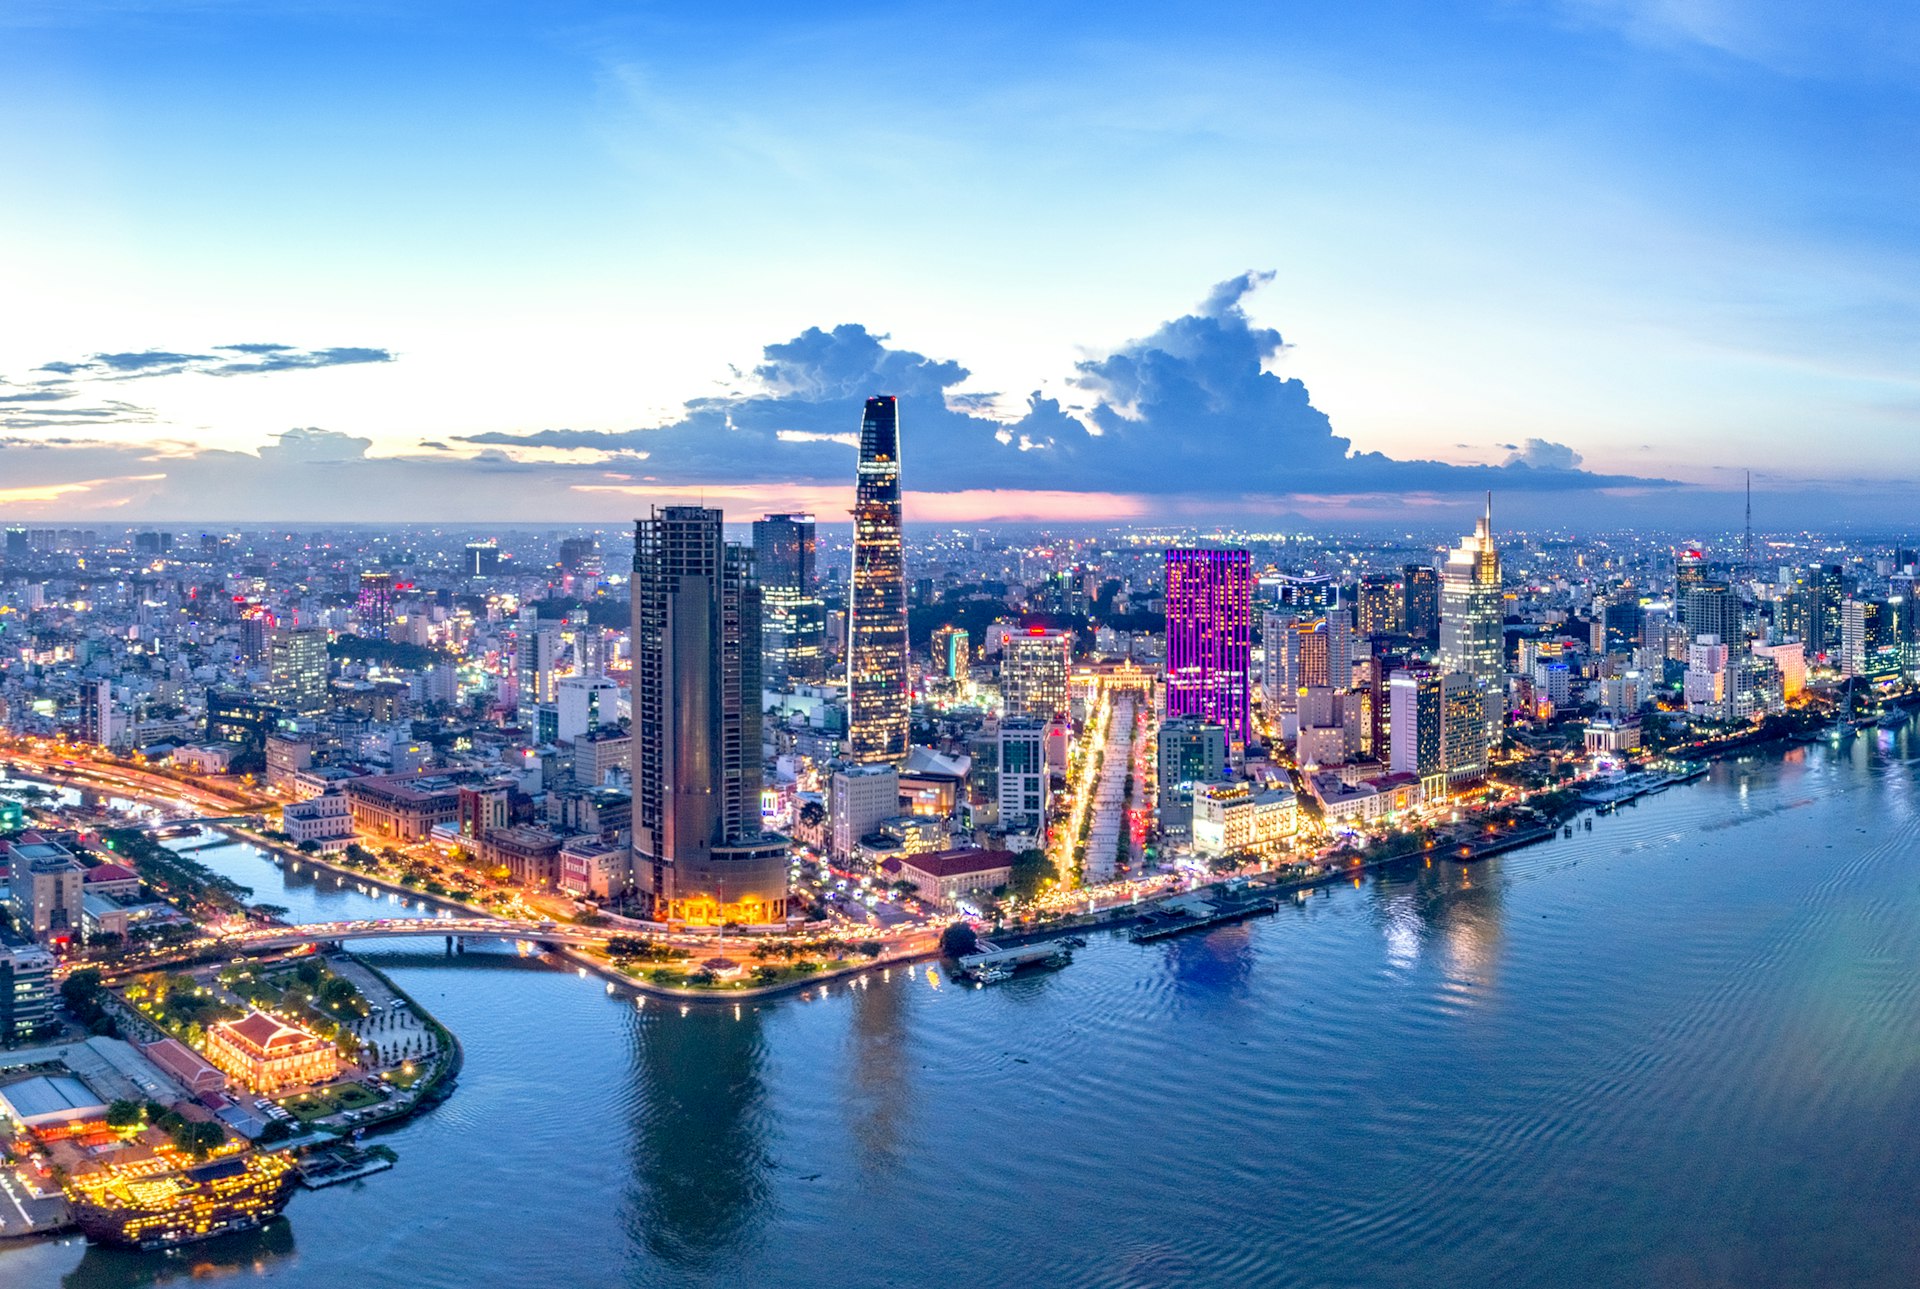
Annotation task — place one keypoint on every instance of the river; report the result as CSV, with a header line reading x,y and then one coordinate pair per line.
x,y
1680,1049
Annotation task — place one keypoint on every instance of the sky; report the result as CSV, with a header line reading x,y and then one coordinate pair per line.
x,y
1329,263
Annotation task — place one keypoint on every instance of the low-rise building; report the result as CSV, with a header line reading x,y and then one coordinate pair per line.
x,y
595,867
1229,818
326,821
942,877
530,855
264,1054
402,807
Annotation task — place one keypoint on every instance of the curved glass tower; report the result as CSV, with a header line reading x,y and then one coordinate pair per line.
x,y
877,703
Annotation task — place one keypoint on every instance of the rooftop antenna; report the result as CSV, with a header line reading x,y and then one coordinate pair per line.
x,y
1748,552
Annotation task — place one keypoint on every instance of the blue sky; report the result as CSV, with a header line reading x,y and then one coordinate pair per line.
x,y
577,257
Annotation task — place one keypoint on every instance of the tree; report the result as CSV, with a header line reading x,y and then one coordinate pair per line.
x,y
1030,872
958,940
870,948
813,814
124,1114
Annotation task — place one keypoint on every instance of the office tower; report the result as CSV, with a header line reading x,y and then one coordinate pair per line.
x,y
1024,779
579,555
1870,643
859,799
952,652
877,702
96,712
700,854
44,888
18,544
297,670
376,605
1306,593
536,663
1473,620
1826,593
1210,639
1689,571
585,704
482,559
1712,608
1420,617
1621,627
1033,673
1415,700
793,623
1382,605
1190,752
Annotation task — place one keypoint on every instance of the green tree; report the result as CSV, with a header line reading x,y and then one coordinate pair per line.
x,y
958,940
124,1114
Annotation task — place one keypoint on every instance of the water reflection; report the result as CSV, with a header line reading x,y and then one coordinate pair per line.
x,y
879,1100
701,1160
247,1253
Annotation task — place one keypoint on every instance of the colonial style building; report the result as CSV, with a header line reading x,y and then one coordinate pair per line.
x,y
265,1055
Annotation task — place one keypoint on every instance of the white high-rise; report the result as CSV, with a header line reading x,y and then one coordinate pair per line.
x,y
1472,623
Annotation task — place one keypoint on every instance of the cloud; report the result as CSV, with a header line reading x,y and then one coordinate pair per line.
x,y
1194,407
1539,454
253,358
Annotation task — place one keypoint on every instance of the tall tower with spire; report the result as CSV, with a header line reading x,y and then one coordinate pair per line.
x,y
877,696
1473,644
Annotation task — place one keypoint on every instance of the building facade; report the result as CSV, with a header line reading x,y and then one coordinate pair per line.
x,y
700,853
877,694
1210,640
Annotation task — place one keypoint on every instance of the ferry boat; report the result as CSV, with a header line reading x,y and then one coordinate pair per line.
x,y
166,1210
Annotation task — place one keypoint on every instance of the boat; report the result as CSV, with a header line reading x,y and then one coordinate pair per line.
x,y
1894,720
224,1195
992,975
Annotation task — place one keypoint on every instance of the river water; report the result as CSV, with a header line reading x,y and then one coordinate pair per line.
x,y
1680,1049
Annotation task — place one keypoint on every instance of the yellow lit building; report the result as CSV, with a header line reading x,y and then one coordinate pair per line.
x,y
265,1054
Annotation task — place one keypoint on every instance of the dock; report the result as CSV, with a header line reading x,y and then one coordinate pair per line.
x,y
1187,915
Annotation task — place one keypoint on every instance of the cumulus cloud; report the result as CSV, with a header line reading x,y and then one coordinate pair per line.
x,y
1193,407
1540,454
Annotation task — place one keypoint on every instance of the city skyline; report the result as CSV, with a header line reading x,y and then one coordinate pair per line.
x,y
1573,236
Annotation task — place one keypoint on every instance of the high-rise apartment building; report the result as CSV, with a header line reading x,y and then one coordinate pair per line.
x,y
1712,608
793,623
96,712
1210,639
1033,673
1382,605
699,850
877,698
1415,698
536,663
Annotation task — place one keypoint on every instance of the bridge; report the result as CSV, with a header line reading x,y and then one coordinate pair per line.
x,y
292,937
161,825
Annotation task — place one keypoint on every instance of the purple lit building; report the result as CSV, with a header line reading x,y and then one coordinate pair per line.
x,y
1210,639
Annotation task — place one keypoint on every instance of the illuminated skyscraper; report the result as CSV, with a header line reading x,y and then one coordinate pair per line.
x,y
877,702
1033,673
1472,628
699,850
297,670
1420,617
793,625
376,605
1210,639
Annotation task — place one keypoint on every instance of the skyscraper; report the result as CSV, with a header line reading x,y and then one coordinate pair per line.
x,y
1420,617
482,559
376,605
1417,698
699,851
1382,605
877,702
1210,639
793,624
1033,673
297,670
1472,627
